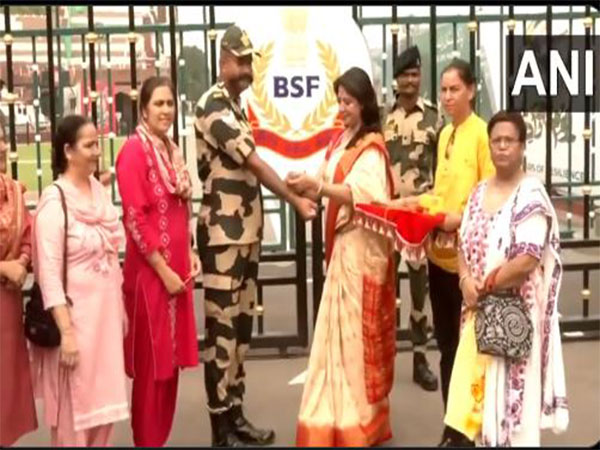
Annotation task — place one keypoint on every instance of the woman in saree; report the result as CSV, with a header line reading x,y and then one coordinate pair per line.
x,y
350,370
17,408
509,240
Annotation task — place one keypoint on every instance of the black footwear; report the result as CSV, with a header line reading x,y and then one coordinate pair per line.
x,y
422,374
453,438
247,432
222,432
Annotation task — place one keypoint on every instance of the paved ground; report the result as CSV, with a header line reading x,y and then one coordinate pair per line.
x,y
416,414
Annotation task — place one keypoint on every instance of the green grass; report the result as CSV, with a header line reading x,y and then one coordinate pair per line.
x,y
30,160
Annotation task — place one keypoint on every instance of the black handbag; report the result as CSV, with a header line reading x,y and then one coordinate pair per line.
x,y
503,326
40,326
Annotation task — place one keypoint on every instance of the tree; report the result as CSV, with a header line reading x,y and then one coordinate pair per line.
x,y
28,10
192,75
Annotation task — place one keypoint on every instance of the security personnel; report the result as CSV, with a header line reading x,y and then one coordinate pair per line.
x,y
229,234
410,135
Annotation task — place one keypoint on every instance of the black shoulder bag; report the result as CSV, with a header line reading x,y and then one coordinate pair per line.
x,y
40,326
503,326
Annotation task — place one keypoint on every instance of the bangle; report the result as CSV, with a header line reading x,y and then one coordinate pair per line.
x,y
491,284
320,189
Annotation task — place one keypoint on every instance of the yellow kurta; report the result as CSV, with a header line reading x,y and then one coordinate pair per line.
x,y
456,176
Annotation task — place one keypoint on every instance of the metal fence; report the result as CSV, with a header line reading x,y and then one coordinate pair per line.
x,y
97,65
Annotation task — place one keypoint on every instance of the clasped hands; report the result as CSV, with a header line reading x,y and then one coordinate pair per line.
x,y
307,189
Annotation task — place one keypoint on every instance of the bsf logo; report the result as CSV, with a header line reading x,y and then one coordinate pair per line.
x,y
295,87
292,105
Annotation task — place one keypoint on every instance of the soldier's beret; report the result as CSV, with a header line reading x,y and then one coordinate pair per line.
x,y
408,59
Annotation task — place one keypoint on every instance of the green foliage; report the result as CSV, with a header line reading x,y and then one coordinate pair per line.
x,y
192,76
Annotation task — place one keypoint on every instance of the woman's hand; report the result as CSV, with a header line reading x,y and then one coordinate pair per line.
x,y
302,183
451,222
15,272
490,281
292,176
471,290
69,352
195,265
172,282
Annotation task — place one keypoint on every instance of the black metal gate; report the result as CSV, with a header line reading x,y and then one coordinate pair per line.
x,y
95,37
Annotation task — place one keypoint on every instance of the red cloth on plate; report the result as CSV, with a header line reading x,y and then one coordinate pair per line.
x,y
412,226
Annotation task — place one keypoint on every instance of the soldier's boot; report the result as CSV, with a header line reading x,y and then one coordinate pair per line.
x,y
222,432
245,431
422,374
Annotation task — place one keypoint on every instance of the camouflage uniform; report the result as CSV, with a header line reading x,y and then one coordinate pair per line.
x,y
229,233
411,139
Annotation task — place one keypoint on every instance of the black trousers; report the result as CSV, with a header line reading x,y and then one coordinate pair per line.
x,y
446,301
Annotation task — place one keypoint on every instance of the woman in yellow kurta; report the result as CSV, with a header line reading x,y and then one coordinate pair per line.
x,y
463,161
350,370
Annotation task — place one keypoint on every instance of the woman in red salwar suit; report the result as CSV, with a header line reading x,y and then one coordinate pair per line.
x,y
160,265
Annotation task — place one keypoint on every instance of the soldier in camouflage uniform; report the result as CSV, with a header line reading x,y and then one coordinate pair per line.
x,y
410,135
229,233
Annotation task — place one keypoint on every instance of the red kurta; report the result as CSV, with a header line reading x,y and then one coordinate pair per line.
x,y
155,220
162,328
17,407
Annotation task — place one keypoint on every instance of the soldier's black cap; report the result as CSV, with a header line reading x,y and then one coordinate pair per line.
x,y
408,59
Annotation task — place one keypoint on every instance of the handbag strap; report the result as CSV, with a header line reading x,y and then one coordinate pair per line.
x,y
63,202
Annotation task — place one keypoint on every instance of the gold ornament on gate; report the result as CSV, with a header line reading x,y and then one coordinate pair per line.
x,y
91,37
587,133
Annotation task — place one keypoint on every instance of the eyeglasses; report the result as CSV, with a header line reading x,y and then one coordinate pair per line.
x,y
503,142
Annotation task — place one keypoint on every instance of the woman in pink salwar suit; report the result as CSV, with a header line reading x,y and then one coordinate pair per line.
x,y
17,408
160,266
82,382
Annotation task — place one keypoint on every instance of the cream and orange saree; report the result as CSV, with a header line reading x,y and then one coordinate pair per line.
x,y
350,371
